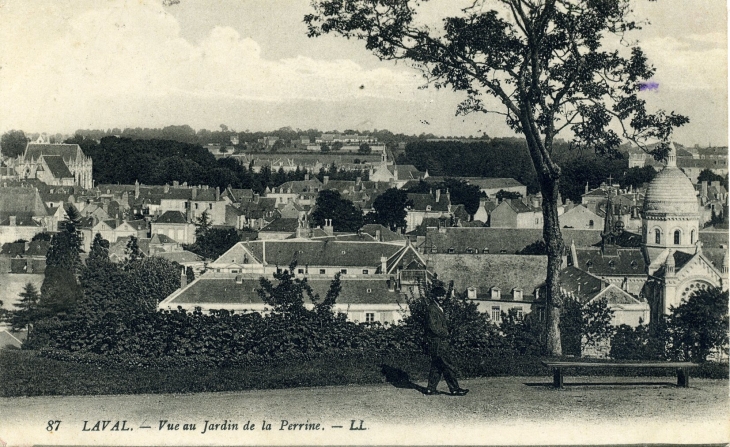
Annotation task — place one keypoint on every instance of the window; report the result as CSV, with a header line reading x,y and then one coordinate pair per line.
x,y
677,236
519,312
471,293
657,236
469,250
369,290
369,317
692,237
344,252
485,251
365,272
235,271
428,207
537,220
496,314
196,206
434,249
300,271
322,271
451,250
590,223
210,206
343,271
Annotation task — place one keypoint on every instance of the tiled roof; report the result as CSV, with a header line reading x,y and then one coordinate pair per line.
x,y
180,256
613,262
421,202
68,152
505,272
714,238
498,240
17,200
139,224
585,287
282,225
327,252
225,290
171,217
21,219
385,234
57,166
161,239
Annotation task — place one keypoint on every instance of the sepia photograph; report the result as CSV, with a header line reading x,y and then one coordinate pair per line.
x,y
364,222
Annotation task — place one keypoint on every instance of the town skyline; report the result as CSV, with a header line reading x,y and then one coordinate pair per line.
x,y
250,66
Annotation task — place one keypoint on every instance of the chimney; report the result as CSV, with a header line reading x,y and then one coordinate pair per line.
x,y
195,192
183,278
535,202
167,188
175,183
326,179
328,227
573,254
358,180
378,236
13,221
217,193
383,264
704,188
306,177
438,194
136,189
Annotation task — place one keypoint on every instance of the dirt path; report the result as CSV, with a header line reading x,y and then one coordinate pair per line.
x,y
497,410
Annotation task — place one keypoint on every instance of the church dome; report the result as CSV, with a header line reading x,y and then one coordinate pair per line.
x,y
671,192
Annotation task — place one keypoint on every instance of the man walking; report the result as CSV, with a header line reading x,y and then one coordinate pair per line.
x,y
437,334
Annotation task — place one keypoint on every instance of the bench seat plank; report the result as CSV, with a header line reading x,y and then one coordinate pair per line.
x,y
619,365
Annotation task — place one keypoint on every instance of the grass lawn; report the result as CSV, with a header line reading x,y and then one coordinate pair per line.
x,y
25,373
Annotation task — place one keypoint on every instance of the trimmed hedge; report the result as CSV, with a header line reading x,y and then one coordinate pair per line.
x,y
27,373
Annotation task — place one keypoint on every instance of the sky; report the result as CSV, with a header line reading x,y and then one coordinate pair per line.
x,y
248,64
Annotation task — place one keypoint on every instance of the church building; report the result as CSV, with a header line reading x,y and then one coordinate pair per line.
x,y
55,164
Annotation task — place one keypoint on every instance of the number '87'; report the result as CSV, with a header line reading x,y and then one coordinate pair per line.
x,y
53,425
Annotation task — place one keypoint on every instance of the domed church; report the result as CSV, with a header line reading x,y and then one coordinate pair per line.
x,y
667,262
676,264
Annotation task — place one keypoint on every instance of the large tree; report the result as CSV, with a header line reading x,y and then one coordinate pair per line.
x,y
344,214
13,143
552,65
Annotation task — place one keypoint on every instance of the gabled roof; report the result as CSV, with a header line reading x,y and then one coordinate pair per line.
x,y
69,152
57,166
282,225
139,224
423,202
171,217
585,287
385,234
614,262
38,248
17,200
21,219
161,239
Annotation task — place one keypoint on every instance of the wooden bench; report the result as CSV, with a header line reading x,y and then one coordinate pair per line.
x,y
681,367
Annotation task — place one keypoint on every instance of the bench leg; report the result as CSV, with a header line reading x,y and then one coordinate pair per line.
x,y
557,378
682,378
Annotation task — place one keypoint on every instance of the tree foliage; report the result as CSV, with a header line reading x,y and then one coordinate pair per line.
x,y
699,325
13,143
28,308
344,214
551,65
390,208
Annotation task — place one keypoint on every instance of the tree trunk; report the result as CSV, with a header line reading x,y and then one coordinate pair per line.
x,y
555,247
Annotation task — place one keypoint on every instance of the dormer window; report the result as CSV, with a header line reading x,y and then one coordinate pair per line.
x,y
428,207
495,293
469,250
612,264
485,251
434,249
517,294
471,293
451,250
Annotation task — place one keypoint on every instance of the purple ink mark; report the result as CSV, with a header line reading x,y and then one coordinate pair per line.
x,y
651,85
